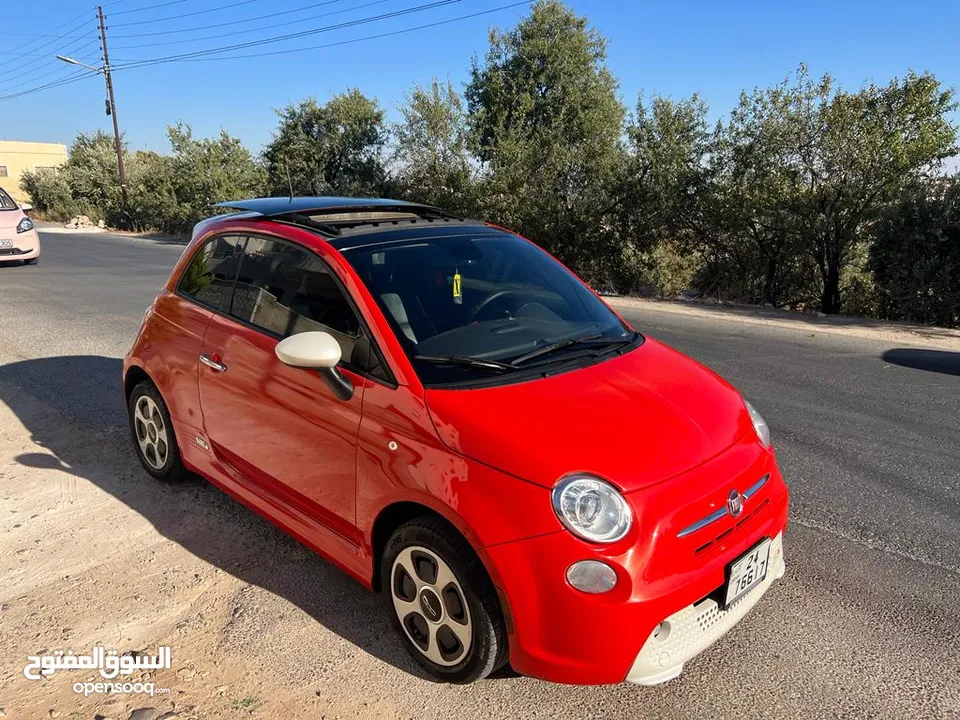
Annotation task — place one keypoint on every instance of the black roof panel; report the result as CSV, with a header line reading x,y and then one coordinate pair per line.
x,y
275,206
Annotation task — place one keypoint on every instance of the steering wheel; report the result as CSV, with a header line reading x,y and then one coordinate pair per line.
x,y
488,300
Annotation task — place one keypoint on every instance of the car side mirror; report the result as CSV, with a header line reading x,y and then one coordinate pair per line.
x,y
26,207
318,351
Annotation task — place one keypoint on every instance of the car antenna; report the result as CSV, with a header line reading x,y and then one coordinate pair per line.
x,y
286,164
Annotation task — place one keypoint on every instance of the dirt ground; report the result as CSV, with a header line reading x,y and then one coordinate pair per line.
x,y
68,583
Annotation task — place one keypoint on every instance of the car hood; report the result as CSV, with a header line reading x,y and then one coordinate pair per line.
x,y
10,219
635,420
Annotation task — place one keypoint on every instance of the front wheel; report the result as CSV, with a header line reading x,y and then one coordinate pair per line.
x,y
31,261
442,602
152,433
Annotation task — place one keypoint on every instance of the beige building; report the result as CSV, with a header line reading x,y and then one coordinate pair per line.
x,y
16,157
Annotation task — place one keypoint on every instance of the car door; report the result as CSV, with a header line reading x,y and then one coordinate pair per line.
x,y
278,426
171,347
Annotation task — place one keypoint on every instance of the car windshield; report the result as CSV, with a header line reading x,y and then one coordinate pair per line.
x,y
6,202
483,306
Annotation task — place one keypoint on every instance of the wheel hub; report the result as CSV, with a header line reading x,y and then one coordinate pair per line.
x,y
430,605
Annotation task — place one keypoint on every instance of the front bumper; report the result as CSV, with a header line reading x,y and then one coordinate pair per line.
x,y
26,246
560,634
696,627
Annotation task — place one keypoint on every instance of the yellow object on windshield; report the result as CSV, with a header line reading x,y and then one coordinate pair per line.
x,y
457,294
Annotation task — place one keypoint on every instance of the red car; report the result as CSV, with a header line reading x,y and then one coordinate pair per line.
x,y
444,411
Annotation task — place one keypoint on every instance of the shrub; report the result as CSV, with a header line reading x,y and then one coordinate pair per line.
x,y
49,193
916,256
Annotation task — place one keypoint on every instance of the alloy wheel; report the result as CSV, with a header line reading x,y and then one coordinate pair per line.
x,y
151,432
431,606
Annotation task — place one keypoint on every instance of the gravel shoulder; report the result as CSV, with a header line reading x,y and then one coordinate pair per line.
x,y
881,330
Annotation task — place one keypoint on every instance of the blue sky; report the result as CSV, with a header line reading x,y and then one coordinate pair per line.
x,y
672,48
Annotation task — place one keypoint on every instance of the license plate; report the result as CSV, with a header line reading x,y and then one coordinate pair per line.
x,y
748,571
6,243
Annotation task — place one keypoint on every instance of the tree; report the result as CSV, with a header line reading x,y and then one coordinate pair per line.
x,y
94,179
660,202
332,149
209,171
49,193
433,161
754,244
915,255
546,123
815,164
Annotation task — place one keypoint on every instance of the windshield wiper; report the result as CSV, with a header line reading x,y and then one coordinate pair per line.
x,y
464,361
589,340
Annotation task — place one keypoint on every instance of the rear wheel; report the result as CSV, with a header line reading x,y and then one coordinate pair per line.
x,y
152,433
442,602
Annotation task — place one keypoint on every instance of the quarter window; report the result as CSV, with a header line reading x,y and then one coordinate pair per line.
x,y
209,277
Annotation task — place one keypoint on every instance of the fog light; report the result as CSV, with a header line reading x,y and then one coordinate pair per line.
x,y
592,576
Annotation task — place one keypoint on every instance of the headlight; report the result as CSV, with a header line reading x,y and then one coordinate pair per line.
x,y
25,225
591,508
759,424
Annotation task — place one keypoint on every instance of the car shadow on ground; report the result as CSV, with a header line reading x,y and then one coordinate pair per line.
x,y
939,361
84,392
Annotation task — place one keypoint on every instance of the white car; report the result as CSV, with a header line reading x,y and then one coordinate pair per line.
x,y
18,236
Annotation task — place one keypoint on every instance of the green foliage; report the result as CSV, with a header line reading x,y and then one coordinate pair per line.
x,y
49,193
805,195
94,179
660,193
805,167
432,158
204,172
332,149
546,124
165,192
915,255
151,186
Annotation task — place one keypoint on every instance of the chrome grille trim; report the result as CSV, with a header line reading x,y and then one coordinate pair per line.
x,y
721,512
752,490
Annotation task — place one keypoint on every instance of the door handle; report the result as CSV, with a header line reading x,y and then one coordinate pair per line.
x,y
213,362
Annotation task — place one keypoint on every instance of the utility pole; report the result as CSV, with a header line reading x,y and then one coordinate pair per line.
x,y
112,108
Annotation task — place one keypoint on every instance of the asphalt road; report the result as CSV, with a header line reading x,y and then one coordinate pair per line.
x,y
866,622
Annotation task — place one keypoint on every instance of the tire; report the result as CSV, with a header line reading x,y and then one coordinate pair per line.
x,y
31,261
152,433
437,591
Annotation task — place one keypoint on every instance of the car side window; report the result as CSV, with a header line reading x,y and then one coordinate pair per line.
x,y
209,277
286,290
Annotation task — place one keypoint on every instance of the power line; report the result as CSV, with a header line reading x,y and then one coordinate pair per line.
x,y
148,7
339,43
59,68
85,74
232,22
76,77
43,54
69,22
7,69
291,36
183,15
256,29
